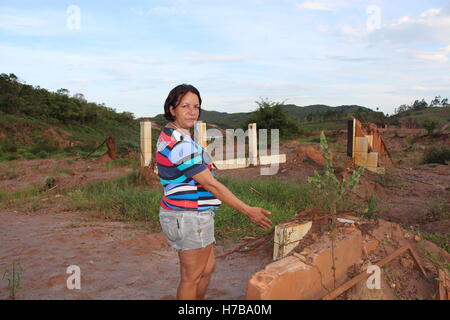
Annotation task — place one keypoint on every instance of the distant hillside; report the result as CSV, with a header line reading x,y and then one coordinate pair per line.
x,y
305,115
37,123
417,117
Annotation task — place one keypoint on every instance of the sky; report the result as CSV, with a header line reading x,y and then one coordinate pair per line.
x,y
130,54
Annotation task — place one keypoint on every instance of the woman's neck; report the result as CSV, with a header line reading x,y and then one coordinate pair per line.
x,y
175,125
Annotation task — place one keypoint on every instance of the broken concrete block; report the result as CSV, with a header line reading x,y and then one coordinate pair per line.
x,y
370,245
292,279
370,140
360,158
372,159
342,220
377,170
361,144
288,236
277,158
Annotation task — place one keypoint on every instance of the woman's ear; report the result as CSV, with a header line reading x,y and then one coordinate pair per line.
x,y
172,112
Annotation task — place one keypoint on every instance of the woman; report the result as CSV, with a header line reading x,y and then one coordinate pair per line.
x,y
191,194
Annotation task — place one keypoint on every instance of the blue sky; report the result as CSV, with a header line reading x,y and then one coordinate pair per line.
x,y
130,54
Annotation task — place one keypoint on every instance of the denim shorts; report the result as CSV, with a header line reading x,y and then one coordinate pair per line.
x,y
187,230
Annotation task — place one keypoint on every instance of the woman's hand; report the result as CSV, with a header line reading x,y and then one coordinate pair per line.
x,y
258,216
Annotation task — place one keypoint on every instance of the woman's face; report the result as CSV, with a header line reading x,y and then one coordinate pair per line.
x,y
187,111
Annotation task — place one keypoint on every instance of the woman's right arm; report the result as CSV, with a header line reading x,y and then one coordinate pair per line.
x,y
255,214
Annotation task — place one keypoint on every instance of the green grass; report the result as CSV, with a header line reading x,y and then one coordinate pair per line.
x,y
123,199
283,200
118,199
437,155
440,239
10,198
29,144
438,114
325,126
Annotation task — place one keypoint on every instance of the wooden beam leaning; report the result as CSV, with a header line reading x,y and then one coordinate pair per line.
x,y
363,275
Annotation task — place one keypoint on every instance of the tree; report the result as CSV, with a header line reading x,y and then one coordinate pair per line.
x,y
270,115
328,184
436,102
419,105
62,92
439,102
430,125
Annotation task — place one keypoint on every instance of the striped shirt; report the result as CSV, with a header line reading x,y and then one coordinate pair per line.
x,y
178,158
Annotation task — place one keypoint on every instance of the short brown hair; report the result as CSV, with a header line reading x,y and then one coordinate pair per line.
x,y
175,96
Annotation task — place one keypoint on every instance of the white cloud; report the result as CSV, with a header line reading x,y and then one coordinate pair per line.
x,y
433,25
20,23
431,12
313,5
440,56
218,58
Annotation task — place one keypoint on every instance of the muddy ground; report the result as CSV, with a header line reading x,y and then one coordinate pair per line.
x,y
121,260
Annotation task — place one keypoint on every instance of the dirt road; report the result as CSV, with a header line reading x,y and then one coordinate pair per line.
x,y
117,261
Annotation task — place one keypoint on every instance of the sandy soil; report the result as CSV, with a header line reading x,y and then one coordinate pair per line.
x,y
116,260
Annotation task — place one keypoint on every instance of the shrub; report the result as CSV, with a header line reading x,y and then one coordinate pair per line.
x,y
10,157
42,155
435,155
29,156
8,145
430,125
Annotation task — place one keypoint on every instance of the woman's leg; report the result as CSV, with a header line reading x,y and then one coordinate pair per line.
x,y
206,276
192,265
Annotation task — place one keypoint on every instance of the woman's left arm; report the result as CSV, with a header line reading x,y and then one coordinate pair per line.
x,y
255,214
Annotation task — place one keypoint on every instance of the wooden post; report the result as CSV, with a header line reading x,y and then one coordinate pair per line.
x,y
253,144
204,141
146,143
200,134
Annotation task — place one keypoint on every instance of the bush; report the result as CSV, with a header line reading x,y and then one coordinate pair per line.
x,y
435,155
29,156
270,115
430,125
8,145
42,155
43,144
10,157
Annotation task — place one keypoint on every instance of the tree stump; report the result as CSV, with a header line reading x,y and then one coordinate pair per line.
x,y
112,149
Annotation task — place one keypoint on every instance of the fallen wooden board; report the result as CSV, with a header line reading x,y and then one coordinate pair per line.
x,y
349,284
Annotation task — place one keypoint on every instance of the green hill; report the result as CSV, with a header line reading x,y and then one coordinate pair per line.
x,y
417,117
308,116
37,123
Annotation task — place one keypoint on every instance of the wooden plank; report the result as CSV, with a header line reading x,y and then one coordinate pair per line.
x,y
443,285
349,284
